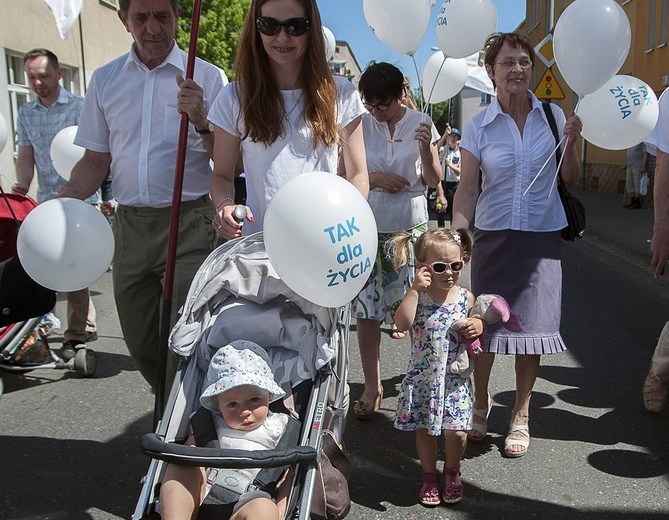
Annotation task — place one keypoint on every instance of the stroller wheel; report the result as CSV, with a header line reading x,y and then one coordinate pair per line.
x,y
84,362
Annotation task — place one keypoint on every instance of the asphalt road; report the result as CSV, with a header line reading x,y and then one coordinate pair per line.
x,y
69,447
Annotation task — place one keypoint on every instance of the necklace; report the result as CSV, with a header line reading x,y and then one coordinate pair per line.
x,y
297,102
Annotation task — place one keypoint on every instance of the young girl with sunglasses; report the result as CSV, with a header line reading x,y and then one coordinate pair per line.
x,y
286,113
432,400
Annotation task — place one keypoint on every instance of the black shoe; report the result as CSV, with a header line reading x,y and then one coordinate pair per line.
x,y
91,336
629,204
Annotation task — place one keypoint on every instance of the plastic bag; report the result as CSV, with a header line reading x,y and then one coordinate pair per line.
x,y
643,185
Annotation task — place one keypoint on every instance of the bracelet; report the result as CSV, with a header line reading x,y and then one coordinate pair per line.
x,y
223,201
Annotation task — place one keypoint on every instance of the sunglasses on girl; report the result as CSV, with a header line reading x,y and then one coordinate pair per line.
x,y
440,267
271,26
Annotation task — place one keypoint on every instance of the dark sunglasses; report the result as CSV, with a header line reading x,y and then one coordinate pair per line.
x,y
271,26
440,267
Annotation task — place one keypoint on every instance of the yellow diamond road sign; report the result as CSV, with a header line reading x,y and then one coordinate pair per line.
x,y
548,87
544,51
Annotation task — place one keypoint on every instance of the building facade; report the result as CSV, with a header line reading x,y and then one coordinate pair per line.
x,y
98,36
343,63
648,60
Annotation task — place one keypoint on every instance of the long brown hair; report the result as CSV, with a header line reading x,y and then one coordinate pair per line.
x,y
262,107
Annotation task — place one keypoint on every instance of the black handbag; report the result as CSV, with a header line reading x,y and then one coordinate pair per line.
x,y
573,208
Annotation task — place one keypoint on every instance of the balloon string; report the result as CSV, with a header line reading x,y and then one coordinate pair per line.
x,y
544,166
420,82
436,78
550,192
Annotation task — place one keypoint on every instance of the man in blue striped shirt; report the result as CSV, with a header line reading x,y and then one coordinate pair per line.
x,y
38,123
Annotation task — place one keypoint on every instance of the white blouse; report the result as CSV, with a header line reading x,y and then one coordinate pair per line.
x,y
509,162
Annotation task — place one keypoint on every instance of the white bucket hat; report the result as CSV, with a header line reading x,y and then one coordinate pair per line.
x,y
239,363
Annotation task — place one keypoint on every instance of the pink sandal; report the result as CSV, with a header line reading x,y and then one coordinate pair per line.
x,y
430,490
452,492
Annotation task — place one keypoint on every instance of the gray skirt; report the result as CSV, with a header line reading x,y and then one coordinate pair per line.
x,y
526,269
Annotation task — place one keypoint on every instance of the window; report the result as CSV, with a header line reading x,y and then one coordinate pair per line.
x,y
651,27
17,88
665,23
486,99
533,13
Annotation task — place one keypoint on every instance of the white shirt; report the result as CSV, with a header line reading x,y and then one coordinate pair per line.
x,y
130,112
400,155
659,137
265,437
509,163
447,173
267,168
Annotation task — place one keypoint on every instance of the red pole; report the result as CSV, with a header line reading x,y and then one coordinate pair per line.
x,y
174,226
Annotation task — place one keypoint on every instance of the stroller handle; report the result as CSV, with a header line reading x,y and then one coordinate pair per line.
x,y
155,447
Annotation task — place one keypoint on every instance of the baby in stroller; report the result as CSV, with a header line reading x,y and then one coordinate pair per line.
x,y
238,390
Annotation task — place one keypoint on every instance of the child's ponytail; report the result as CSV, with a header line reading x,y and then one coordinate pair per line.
x,y
397,247
465,240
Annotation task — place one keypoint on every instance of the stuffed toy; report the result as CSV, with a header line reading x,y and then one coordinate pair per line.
x,y
490,308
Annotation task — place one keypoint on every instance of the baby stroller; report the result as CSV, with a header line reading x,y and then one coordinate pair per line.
x,y
23,303
236,294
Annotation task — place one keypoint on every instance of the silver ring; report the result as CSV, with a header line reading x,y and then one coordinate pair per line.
x,y
219,226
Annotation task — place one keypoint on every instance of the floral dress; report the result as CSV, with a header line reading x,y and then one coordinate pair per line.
x,y
431,397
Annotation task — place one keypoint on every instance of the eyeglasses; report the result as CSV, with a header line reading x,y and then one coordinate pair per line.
x,y
271,26
440,267
509,64
381,106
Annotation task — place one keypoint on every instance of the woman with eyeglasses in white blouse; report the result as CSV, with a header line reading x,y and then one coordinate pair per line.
x,y
517,241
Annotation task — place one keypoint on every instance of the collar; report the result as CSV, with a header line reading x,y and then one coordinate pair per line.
x,y
174,58
495,109
64,98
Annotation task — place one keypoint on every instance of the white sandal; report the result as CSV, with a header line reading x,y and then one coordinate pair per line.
x,y
481,413
523,440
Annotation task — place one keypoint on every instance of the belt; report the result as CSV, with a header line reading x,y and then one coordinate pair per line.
x,y
204,200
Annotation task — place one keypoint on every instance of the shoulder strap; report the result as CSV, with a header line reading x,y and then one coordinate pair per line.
x,y
551,122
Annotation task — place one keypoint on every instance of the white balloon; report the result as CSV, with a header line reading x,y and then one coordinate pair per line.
x,y
64,153
3,132
320,235
619,115
65,244
464,25
443,77
401,24
590,43
330,43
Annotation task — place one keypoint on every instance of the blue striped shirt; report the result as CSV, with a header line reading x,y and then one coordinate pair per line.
x,y
37,126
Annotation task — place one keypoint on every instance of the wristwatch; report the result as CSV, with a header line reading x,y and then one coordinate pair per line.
x,y
209,129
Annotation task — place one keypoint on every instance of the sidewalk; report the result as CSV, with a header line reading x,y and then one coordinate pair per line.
x,y
621,231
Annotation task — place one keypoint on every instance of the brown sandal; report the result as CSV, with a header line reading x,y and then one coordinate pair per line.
x,y
397,334
365,410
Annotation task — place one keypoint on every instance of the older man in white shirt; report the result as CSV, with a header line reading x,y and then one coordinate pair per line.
x,y
130,124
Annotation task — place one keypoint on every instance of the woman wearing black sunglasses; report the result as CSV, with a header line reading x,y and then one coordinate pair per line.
x,y
286,114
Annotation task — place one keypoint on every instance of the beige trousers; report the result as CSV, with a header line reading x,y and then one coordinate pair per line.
x,y
80,315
